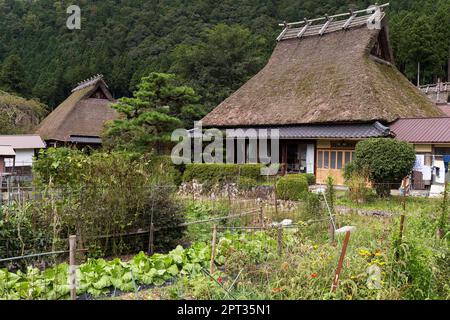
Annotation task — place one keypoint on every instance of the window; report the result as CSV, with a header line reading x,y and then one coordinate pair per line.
x,y
333,160
347,158
319,159
339,159
326,161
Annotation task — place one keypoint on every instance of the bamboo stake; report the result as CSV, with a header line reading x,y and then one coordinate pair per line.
x,y
151,247
72,267
261,216
280,240
341,261
213,249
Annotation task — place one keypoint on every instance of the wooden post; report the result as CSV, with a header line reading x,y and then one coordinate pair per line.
x,y
72,267
261,216
280,240
151,247
275,197
213,249
341,261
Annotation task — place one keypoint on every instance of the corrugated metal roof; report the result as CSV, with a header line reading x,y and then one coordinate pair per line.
x,y
330,131
423,130
445,108
7,151
22,141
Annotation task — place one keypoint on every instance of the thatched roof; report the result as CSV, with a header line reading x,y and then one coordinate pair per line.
x,y
83,113
343,75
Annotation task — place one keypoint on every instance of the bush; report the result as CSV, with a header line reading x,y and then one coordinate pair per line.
x,y
357,187
312,205
107,193
387,162
311,179
292,187
212,173
246,183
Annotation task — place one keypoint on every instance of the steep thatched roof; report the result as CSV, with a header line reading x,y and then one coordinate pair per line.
x,y
83,113
343,75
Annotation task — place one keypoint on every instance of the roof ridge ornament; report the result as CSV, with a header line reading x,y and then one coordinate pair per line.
x,y
374,21
371,16
88,82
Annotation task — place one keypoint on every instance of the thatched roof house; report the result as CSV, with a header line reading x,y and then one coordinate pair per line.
x,y
330,82
336,71
80,118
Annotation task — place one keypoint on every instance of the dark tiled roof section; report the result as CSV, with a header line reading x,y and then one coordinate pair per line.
x,y
422,130
85,139
319,131
340,131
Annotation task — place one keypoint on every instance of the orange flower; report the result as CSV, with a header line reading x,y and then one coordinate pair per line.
x,y
314,275
275,290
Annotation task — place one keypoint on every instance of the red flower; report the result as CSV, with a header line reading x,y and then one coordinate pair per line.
x,y
275,290
314,275
220,280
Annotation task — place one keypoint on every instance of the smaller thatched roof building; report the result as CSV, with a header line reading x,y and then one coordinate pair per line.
x,y
80,118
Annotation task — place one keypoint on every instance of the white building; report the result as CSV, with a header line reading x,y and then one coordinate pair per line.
x,y
25,147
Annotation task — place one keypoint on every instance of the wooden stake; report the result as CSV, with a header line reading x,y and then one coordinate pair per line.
x,y
261,216
213,249
341,261
280,240
151,247
275,196
72,267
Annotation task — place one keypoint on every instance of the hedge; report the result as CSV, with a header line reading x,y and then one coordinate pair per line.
x,y
212,173
292,187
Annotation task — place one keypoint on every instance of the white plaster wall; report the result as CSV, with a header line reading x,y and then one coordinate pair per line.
x,y
24,158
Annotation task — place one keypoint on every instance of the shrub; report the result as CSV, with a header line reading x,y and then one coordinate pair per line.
x,y
164,167
212,173
387,162
312,205
357,187
246,183
107,193
311,178
349,170
292,187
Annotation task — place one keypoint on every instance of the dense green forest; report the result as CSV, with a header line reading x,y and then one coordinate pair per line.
x,y
213,46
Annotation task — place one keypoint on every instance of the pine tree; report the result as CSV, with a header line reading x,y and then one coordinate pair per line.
x,y
158,107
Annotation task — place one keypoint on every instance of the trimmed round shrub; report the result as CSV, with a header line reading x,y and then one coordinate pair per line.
x,y
311,178
387,162
292,187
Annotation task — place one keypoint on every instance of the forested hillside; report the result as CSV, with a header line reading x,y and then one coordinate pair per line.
x,y
19,115
213,45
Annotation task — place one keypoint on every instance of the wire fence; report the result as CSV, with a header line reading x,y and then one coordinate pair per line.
x,y
251,215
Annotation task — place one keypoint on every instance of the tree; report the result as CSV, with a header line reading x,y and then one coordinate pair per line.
x,y
221,63
387,162
158,107
13,77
